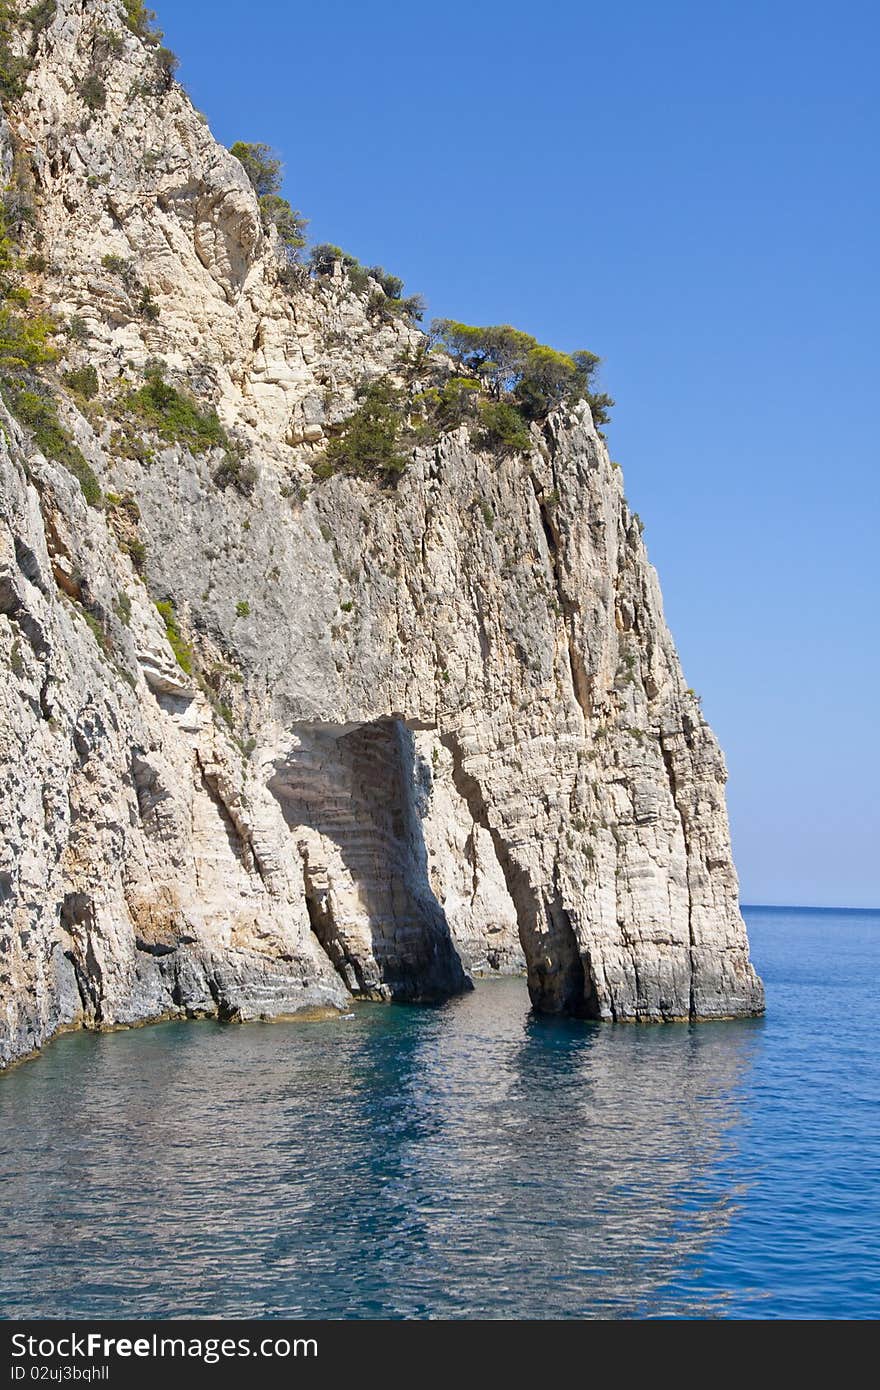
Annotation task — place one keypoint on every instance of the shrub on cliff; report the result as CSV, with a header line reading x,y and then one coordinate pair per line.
x,y
82,381
142,21
446,407
502,429
600,404
93,91
24,348
24,340
369,443
515,366
495,354
34,407
167,62
263,167
176,640
387,298
412,307
235,471
289,224
324,257
390,285
14,68
141,294
174,415
261,164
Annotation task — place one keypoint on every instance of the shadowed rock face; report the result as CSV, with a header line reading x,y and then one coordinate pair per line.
x,y
414,746
349,797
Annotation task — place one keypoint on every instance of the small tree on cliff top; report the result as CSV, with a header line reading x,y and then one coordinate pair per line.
x,y
514,364
261,164
263,167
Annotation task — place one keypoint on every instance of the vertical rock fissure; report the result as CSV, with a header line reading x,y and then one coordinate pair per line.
x,y
669,764
325,932
558,973
77,918
578,673
240,842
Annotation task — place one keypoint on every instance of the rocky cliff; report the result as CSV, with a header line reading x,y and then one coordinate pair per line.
x,y
374,739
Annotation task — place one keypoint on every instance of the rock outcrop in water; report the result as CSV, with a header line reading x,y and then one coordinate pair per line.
x,y
374,740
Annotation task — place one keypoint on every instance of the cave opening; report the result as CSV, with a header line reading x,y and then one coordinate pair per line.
x,y
349,795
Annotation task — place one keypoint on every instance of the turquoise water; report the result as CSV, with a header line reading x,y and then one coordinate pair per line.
x,y
465,1161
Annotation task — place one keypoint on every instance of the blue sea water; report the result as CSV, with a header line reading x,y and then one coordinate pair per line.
x,y
464,1161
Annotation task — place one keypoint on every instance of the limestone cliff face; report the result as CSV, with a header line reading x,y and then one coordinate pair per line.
x,y
429,731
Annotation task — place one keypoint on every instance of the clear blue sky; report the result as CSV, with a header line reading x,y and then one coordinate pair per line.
x,y
690,190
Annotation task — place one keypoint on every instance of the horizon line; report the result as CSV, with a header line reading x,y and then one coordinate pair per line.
x,y
803,907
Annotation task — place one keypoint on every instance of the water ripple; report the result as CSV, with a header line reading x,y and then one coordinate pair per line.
x,y
466,1161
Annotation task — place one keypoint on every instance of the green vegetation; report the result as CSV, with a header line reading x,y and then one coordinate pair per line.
x,y
178,644
82,381
502,429
513,364
323,257
141,294
92,90
261,164
24,348
118,265
14,68
136,550
141,21
495,355
601,405
24,338
96,627
24,342
35,409
390,300
146,305
108,45
263,167
127,442
290,225
235,472
108,42
369,443
167,62
242,608
173,415
123,608
375,441
78,329
125,515
387,298
448,406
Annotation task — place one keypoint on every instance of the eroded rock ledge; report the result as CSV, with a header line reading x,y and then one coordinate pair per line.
x,y
428,732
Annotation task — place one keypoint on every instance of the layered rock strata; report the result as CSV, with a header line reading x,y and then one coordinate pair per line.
x,y
428,731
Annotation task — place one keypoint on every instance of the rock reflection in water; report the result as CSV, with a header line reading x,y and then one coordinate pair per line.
x,y
469,1160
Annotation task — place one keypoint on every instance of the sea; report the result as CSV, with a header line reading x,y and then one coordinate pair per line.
x,y
465,1161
